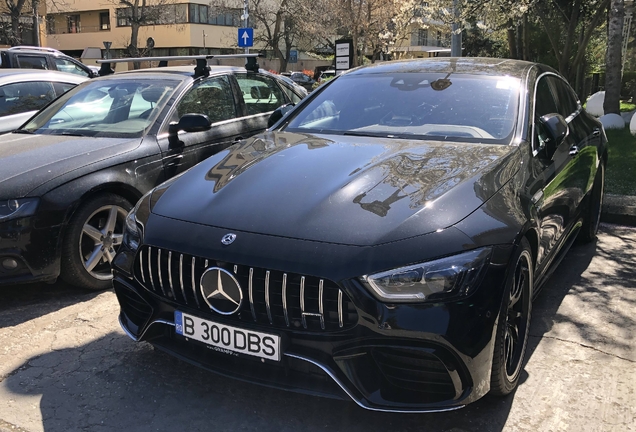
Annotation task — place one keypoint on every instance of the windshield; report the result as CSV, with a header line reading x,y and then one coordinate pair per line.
x,y
105,108
468,108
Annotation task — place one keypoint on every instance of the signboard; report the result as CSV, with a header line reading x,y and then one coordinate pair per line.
x,y
344,55
245,37
293,56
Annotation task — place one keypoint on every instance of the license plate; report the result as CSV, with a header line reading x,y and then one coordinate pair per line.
x,y
227,337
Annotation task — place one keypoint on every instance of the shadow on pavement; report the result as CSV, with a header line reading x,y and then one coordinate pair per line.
x,y
17,301
114,384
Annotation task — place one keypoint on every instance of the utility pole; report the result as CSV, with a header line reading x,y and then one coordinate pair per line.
x,y
36,23
456,37
246,16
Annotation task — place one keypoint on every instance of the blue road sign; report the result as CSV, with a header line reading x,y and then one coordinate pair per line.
x,y
293,56
246,37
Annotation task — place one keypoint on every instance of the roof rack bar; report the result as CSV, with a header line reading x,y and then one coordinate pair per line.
x,y
201,70
174,58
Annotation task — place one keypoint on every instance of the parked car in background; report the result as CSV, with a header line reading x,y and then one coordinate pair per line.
x,y
292,83
302,80
24,91
69,176
30,57
383,242
327,74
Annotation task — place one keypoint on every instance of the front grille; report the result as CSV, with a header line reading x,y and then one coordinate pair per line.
x,y
279,299
414,370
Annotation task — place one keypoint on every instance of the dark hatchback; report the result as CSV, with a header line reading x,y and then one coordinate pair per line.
x,y
69,176
380,245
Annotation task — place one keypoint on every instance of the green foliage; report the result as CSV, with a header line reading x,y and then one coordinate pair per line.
x,y
627,107
478,42
621,164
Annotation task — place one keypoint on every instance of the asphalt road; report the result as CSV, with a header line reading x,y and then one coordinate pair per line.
x,y
65,365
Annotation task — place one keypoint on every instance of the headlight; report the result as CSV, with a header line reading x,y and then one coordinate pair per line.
x,y
447,277
134,227
16,208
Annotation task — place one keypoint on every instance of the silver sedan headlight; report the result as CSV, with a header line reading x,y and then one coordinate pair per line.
x,y
448,277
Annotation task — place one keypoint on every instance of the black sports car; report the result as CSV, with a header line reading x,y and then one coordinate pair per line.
x,y
69,176
382,242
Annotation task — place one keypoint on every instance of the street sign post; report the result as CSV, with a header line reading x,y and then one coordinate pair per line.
x,y
245,37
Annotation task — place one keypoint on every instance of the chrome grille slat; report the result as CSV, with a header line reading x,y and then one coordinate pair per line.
x,y
181,278
251,293
170,274
152,282
269,312
284,294
159,271
304,303
141,267
194,292
320,303
340,317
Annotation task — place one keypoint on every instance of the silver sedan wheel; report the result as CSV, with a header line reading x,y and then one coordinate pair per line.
x,y
101,236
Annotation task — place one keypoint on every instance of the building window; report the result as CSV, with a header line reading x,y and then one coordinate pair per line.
x,y
231,18
73,23
419,37
104,21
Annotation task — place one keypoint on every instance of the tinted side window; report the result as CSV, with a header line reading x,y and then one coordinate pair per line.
x,y
212,97
61,88
568,102
544,103
293,97
22,97
260,93
32,62
70,67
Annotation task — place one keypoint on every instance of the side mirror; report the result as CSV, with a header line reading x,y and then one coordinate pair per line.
x,y
278,114
191,123
554,131
188,123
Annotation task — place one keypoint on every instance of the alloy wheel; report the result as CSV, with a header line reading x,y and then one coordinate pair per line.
x,y
101,235
517,317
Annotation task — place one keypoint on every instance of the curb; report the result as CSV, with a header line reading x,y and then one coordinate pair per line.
x,y
619,209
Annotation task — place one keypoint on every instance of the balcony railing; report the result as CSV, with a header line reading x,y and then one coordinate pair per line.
x,y
78,29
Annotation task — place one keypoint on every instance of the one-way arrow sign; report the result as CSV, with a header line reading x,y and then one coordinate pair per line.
x,y
245,37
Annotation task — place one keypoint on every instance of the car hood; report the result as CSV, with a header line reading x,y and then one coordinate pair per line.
x,y
346,190
29,161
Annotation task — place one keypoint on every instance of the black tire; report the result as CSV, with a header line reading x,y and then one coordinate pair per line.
x,y
592,217
513,324
92,239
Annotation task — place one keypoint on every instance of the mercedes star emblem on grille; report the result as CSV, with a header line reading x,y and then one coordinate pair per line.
x,y
221,291
228,239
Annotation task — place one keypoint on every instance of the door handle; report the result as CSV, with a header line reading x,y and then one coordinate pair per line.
x,y
596,132
574,150
237,139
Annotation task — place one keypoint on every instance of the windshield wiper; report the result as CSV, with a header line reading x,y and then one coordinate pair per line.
x,y
369,134
23,131
68,134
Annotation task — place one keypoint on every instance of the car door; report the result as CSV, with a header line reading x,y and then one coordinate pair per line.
x,y
557,190
19,101
260,95
213,97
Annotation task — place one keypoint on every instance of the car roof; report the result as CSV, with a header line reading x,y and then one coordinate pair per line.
x,y
39,74
461,65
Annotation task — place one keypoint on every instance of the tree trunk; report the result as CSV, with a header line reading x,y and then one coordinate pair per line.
x,y
613,68
133,50
36,23
512,46
16,37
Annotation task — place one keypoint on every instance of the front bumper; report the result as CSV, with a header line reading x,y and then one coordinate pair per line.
x,y
33,250
399,358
